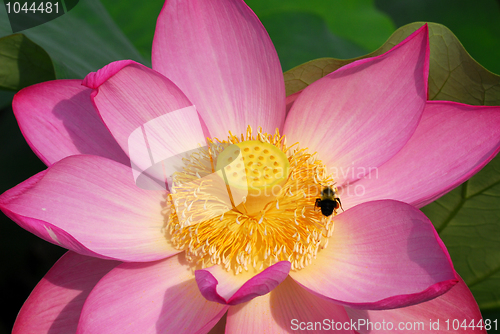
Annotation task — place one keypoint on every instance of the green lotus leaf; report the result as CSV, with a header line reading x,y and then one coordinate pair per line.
x,y
80,41
301,36
23,63
357,21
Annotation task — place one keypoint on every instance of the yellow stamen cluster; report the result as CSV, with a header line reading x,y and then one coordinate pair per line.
x,y
209,211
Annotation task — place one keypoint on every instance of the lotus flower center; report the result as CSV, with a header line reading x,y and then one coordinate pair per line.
x,y
248,202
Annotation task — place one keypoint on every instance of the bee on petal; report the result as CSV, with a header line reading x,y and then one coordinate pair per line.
x,y
329,202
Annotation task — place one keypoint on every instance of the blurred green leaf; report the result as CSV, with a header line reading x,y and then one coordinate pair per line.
x,y
299,37
475,23
23,63
138,23
453,74
358,21
81,41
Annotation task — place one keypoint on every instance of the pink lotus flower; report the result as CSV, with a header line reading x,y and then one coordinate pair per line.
x,y
132,260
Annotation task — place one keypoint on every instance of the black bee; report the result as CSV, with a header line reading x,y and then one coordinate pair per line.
x,y
329,202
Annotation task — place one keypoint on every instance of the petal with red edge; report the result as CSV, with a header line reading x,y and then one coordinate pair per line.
x,y
458,304
91,205
57,119
156,297
232,289
362,114
288,308
382,255
54,306
219,54
95,79
452,142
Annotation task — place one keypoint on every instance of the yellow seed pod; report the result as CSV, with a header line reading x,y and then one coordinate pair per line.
x,y
254,172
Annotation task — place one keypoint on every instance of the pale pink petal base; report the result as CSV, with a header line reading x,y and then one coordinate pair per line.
x,y
57,119
362,114
218,285
287,309
382,254
452,142
219,54
456,306
155,297
54,306
91,205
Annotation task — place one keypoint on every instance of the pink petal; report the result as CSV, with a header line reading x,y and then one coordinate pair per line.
x,y
91,205
235,289
382,255
156,297
290,100
145,112
95,79
452,142
54,306
362,114
220,55
288,308
456,306
58,119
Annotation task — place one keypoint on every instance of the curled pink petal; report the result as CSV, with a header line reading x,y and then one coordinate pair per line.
x,y
359,116
219,54
288,308
382,255
235,290
155,297
452,142
132,98
54,306
57,119
456,311
91,205
95,79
